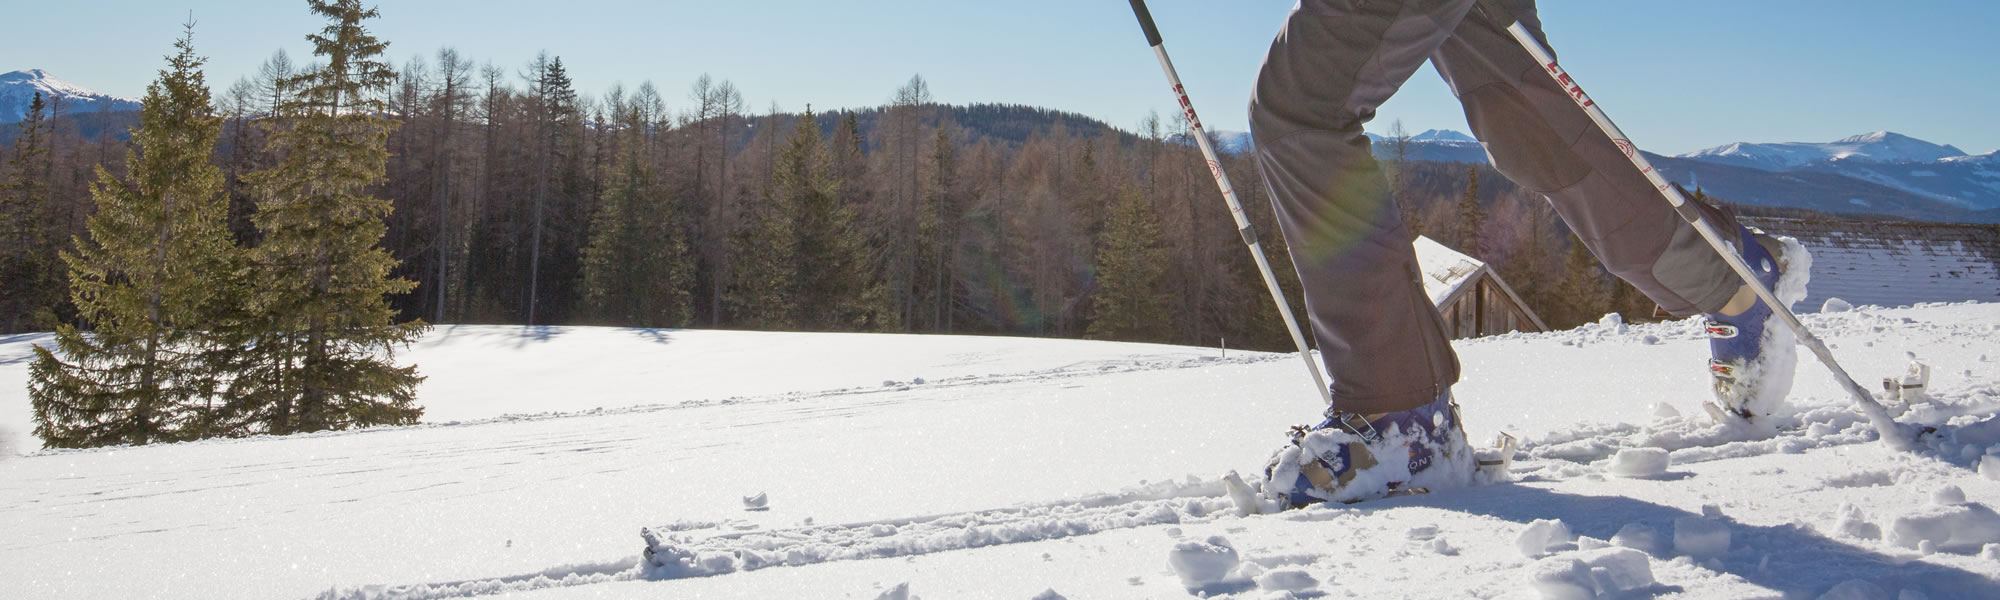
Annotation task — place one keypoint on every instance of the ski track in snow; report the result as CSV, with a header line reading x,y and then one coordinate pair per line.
x,y
1794,512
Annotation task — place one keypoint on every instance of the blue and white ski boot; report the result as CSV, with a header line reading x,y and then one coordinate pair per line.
x,y
1351,458
1752,354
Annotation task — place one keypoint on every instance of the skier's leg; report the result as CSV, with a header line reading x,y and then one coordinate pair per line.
x,y
1394,427
1539,138
1334,62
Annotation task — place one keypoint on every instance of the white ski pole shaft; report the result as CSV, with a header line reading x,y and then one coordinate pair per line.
x,y
1243,225
1879,416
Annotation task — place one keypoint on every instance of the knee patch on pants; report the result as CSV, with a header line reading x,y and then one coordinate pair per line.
x,y
1522,145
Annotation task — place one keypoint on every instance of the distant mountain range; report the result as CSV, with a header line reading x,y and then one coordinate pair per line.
x,y
1879,173
18,89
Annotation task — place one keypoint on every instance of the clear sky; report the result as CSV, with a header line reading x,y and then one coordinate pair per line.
x,y
1678,75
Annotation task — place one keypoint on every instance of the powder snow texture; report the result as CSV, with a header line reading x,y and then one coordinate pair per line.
x,y
1603,573
1960,529
545,503
900,592
1542,537
1290,580
1701,537
1855,589
1855,524
1639,462
1204,565
6,443
1638,536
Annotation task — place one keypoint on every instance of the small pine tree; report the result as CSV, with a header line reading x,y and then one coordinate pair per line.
x,y
152,277
30,282
1129,303
1471,217
1582,291
322,333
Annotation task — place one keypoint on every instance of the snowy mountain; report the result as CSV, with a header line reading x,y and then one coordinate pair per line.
x,y
1939,173
1876,147
1443,136
18,89
973,467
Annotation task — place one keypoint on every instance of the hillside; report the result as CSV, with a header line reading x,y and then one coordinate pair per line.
x,y
1109,453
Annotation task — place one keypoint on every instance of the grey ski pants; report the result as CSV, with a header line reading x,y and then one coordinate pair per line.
x,y
1331,66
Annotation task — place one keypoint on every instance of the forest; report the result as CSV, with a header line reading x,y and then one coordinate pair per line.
x,y
355,202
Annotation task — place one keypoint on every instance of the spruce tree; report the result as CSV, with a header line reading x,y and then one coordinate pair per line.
x,y
321,330
1471,217
636,268
1129,303
30,284
152,280
764,252
831,285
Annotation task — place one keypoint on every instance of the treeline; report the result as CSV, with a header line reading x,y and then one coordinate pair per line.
x,y
505,195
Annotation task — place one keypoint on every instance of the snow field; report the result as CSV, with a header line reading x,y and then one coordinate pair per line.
x,y
1014,450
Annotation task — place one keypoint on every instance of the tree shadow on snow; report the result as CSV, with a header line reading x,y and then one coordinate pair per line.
x,y
26,354
1801,562
655,335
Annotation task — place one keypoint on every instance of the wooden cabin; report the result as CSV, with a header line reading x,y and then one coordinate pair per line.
x,y
1473,298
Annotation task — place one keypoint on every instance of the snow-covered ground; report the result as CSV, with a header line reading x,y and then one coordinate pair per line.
x,y
1019,467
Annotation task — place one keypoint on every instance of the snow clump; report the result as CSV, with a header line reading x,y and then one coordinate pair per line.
x,y
1836,305
1701,537
1855,589
1603,573
1543,537
1206,564
1639,462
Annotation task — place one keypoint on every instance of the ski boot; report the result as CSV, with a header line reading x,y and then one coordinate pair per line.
x,y
1752,354
1351,457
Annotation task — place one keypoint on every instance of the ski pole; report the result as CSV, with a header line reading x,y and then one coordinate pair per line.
x,y
1229,196
1876,414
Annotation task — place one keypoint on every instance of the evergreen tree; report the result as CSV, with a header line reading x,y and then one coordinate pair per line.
x,y
636,268
152,278
29,281
1471,217
1131,269
833,287
1582,291
322,332
764,252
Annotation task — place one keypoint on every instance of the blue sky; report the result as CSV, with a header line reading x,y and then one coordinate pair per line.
x,y
1677,75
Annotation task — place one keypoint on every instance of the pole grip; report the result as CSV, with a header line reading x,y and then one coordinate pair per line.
x,y
1146,22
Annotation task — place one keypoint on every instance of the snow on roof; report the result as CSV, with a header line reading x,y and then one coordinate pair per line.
x,y
1896,264
1445,270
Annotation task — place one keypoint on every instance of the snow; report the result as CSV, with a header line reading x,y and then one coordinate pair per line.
x,y
1878,146
1205,565
1444,270
1701,537
1639,462
1543,537
1601,573
1021,468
